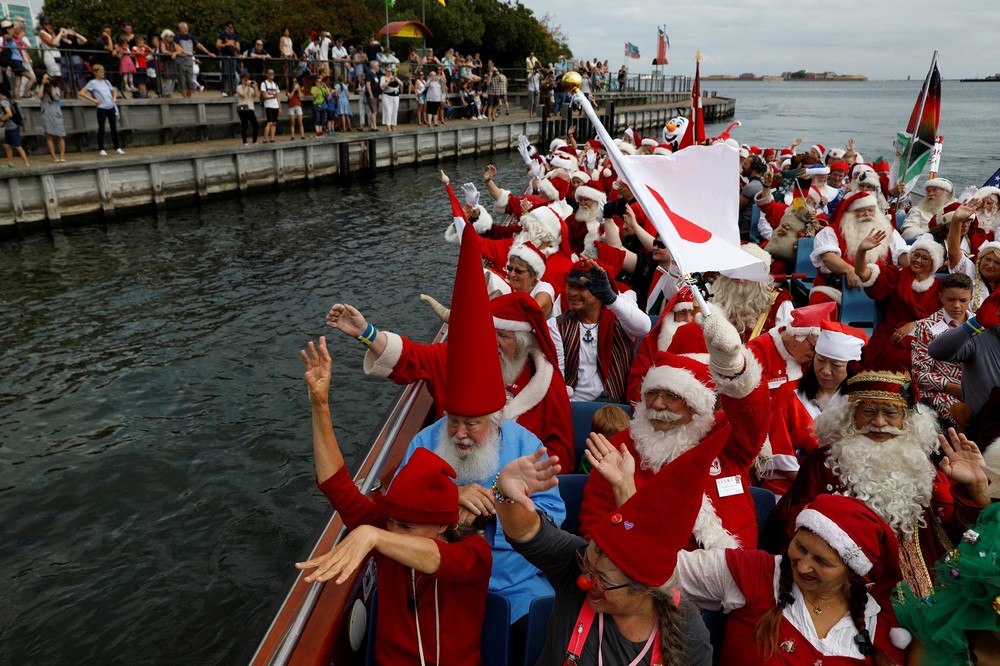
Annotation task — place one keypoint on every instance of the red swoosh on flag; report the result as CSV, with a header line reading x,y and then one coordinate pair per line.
x,y
686,229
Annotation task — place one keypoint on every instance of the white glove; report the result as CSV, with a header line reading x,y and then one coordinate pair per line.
x,y
522,147
536,168
591,160
471,194
724,346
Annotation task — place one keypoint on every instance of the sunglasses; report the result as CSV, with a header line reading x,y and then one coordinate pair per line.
x,y
598,583
659,244
515,271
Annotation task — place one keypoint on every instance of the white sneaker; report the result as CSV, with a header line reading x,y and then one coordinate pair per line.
x,y
119,151
225,95
103,153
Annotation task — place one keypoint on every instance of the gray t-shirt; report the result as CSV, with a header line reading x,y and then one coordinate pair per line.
x,y
103,92
750,190
5,108
980,359
554,552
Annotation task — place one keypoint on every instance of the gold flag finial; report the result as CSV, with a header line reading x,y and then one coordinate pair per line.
x,y
697,56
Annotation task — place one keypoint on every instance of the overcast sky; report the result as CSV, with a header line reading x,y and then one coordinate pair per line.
x,y
883,39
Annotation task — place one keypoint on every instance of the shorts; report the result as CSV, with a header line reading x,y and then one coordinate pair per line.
x,y
270,115
12,137
319,115
373,103
433,108
185,74
494,100
295,111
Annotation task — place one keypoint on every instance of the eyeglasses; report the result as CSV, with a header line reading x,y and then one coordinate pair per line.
x,y
659,244
665,396
598,583
920,256
514,270
869,412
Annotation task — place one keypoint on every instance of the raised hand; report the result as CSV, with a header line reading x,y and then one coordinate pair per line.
x,y
347,556
962,462
318,365
966,210
872,240
445,180
523,477
346,318
491,171
471,194
617,466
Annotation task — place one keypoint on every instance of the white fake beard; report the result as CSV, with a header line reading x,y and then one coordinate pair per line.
x,y
932,206
667,330
986,219
743,302
472,465
511,368
895,478
854,232
658,448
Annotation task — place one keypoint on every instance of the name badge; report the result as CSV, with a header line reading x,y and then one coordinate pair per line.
x,y
939,328
729,485
775,383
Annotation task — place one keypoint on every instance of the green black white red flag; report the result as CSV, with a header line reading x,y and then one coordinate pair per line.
x,y
915,146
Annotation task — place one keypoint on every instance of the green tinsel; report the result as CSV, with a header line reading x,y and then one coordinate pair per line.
x,y
966,589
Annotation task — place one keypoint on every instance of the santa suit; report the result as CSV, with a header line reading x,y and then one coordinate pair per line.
x,y
658,339
727,518
777,364
537,400
950,507
906,300
507,204
831,239
745,584
451,601
780,310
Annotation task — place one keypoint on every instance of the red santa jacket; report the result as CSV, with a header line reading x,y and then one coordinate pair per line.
x,y
540,404
452,599
743,424
906,301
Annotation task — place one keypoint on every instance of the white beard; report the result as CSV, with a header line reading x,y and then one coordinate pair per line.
x,y
895,478
667,330
657,448
854,232
589,218
472,465
987,220
742,302
511,368
932,207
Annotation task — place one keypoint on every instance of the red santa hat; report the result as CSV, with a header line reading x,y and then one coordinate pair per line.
x,y
942,183
840,166
424,491
927,243
689,341
840,342
553,189
474,385
663,149
643,536
587,192
564,158
681,301
864,541
688,378
859,200
807,320
529,254
556,144
946,214
582,176
519,311
649,142
787,152
631,137
882,386
625,148
819,149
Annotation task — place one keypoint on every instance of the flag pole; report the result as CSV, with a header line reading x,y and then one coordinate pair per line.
x,y
387,24
936,158
924,91
571,84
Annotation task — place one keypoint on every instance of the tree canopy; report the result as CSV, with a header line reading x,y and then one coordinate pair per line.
x,y
502,31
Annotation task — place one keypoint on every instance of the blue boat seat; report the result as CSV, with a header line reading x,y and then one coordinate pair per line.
x,y
538,626
715,622
754,220
370,637
571,491
763,505
495,641
583,414
803,265
857,308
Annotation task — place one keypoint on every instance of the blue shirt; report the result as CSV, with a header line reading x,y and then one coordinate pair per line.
x,y
513,577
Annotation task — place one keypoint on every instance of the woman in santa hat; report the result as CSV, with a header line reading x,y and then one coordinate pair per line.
x,y
984,268
525,269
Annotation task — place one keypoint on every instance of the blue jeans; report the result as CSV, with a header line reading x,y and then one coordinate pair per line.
x,y
229,78
557,101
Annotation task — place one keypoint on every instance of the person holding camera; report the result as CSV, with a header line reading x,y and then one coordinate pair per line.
x,y
246,91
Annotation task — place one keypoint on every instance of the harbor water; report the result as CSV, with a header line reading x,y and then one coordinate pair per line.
x,y
156,479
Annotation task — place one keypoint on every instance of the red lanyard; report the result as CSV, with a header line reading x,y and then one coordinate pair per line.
x,y
581,629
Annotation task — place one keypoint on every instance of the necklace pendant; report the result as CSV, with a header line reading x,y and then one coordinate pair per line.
x,y
817,610
787,646
588,337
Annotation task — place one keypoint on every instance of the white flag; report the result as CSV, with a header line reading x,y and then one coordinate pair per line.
x,y
692,198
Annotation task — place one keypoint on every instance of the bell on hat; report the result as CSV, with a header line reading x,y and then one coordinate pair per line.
x,y
474,385
643,536
840,342
423,492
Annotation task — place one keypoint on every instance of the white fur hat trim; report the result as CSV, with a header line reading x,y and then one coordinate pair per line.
x,y
943,183
529,256
933,248
698,397
548,190
823,527
587,192
582,176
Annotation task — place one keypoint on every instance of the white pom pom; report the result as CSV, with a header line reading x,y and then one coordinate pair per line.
x,y
900,637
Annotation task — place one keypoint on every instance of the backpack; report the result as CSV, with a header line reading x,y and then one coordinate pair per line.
x,y
16,113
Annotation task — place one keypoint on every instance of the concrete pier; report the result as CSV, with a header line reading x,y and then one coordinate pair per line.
x,y
204,165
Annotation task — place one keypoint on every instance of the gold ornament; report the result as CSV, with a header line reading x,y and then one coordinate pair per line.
x,y
996,604
571,82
